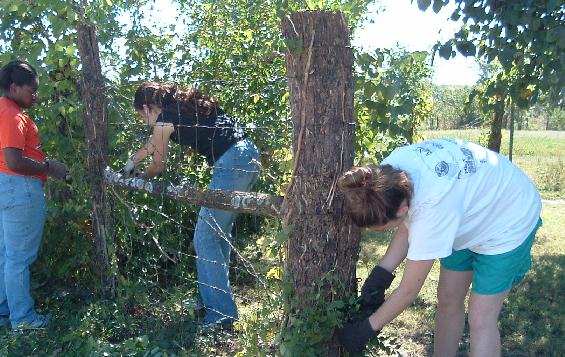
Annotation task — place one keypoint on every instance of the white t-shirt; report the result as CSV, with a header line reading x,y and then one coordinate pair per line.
x,y
465,197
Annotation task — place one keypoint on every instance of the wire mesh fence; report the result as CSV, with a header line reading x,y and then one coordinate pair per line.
x,y
154,235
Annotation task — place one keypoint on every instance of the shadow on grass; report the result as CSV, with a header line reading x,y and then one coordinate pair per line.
x,y
532,321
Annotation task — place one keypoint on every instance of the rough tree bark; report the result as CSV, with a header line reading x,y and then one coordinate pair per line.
x,y
495,135
95,126
511,138
322,243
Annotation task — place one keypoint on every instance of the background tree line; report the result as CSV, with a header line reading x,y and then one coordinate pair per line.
x,y
451,109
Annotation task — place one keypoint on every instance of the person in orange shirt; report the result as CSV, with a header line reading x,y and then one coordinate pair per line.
x,y
23,171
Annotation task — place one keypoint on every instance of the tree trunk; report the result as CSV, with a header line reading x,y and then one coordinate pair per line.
x,y
511,138
323,246
495,135
95,126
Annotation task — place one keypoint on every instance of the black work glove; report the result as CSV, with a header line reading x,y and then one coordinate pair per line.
x,y
355,335
367,309
56,169
373,290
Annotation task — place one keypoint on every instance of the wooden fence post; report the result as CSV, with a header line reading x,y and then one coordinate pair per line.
x,y
323,246
96,137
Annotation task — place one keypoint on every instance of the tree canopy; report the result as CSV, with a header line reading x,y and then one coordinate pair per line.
x,y
527,37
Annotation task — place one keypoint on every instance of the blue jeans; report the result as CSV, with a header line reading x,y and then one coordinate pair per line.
x,y
22,215
237,169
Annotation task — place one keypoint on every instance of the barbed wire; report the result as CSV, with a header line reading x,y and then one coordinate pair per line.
x,y
150,215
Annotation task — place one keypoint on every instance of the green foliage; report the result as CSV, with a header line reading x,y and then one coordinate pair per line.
x,y
555,119
311,324
526,37
392,96
552,177
261,324
451,110
547,114
160,325
354,10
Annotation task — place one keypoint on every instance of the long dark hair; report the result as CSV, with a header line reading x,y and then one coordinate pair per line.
x,y
373,194
169,97
17,72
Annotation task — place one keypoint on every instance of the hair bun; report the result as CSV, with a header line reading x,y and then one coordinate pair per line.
x,y
357,177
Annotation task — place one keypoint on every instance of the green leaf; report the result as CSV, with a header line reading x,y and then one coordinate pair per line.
x,y
466,48
282,235
424,4
445,51
248,34
506,57
558,35
274,273
438,4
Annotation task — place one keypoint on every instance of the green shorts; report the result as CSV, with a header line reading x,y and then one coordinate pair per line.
x,y
494,274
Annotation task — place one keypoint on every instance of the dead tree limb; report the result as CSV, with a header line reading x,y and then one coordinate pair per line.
x,y
260,204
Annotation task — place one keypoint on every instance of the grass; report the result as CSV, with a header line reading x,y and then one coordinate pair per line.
x,y
541,154
532,320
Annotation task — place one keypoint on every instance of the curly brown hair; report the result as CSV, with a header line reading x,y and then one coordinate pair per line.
x,y
170,97
373,194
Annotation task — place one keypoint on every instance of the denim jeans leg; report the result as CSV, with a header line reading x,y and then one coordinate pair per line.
x,y
22,212
236,169
4,309
213,271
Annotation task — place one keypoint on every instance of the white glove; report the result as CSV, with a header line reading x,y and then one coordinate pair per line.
x,y
130,169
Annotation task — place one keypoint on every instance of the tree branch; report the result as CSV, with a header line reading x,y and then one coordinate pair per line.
x,y
260,204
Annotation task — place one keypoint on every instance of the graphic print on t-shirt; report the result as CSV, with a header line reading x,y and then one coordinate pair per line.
x,y
465,197
469,163
447,162
423,150
459,162
442,168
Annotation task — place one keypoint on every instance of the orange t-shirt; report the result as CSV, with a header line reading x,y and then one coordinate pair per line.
x,y
18,131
